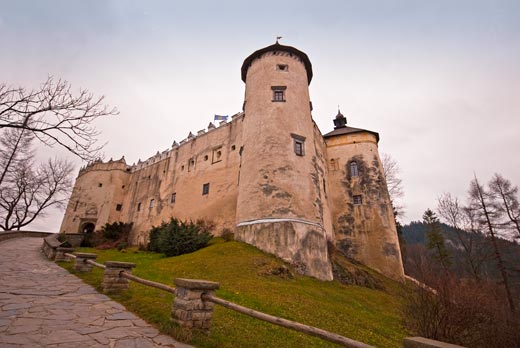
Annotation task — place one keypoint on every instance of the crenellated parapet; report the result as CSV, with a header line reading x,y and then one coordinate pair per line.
x,y
192,136
99,165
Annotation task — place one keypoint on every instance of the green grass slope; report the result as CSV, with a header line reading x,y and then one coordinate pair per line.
x,y
260,281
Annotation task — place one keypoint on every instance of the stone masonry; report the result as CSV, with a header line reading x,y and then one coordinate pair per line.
x,y
60,253
189,310
44,306
112,280
80,263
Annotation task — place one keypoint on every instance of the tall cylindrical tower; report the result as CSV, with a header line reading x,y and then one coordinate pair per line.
x,y
280,195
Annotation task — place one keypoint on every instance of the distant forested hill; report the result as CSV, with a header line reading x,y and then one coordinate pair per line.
x,y
415,233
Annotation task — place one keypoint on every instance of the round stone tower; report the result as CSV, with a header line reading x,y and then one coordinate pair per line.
x,y
281,184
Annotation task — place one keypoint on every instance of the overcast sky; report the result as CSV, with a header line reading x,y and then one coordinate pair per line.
x,y
439,80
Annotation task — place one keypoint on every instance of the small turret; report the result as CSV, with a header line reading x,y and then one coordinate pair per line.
x,y
340,121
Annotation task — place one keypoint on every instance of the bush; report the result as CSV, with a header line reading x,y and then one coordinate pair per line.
x,y
110,236
227,235
179,237
468,312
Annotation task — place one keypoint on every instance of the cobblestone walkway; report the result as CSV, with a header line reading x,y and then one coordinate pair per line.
x,y
42,305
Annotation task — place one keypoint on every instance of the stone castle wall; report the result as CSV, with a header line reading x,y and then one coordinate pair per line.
x,y
247,176
366,231
144,191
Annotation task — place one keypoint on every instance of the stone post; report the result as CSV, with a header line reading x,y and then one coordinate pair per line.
x,y
189,310
60,253
112,281
81,265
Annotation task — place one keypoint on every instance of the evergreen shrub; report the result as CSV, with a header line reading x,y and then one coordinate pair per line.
x,y
179,237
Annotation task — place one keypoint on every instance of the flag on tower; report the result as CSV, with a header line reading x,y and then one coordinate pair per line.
x,y
221,117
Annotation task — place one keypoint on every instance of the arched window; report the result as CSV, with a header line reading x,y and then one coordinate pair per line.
x,y
354,169
152,203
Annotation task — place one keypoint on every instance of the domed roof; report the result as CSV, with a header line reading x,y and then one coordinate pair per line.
x,y
277,47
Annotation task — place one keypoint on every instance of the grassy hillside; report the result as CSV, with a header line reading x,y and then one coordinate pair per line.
x,y
257,280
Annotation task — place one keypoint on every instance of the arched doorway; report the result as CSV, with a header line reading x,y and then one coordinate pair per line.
x,y
88,227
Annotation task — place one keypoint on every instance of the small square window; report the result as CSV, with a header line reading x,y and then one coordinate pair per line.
x,y
278,96
298,147
282,67
278,93
139,206
174,196
217,155
205,189
100,185
299,144
358,200
119,207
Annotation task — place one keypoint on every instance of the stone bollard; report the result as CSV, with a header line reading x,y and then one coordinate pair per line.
x,y
112,282
189,310
81,265
60,253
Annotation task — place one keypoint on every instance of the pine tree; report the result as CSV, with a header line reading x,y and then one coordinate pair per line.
x,y
435,239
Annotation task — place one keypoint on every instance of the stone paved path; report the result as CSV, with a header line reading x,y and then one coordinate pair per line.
x,y
42,305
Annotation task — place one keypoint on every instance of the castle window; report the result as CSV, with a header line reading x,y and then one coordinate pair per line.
x,y
100,185
299,142
191,164
205,189
278,93
217,155
354,169
152,203
139,206
358,200
233,147
206,158
282,67
174,196
76,206
119,207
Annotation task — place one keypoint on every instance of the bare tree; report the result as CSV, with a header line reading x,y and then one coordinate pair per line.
x,y
29,193
481,203
507,201
15,148
464,224
55,115
394,183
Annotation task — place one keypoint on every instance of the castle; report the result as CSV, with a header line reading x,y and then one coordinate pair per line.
x,y
268,174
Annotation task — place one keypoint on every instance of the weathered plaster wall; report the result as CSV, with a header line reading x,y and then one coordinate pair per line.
x,y
365,232
275,182
96,193
211,157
